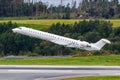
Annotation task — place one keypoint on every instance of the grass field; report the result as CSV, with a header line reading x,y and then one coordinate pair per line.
x,y
96,78
92,60
45,23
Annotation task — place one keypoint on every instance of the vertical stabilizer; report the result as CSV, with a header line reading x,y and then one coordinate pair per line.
x,y
101,43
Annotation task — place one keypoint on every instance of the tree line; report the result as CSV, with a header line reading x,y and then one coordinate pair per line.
x,y
16,8
100,8
91,31
86,9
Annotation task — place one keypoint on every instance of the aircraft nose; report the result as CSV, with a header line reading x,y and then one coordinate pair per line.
x,y
14,30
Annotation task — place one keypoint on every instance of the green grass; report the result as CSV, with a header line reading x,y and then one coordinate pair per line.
x,y
35,26
45,23
92,60
116,23
96,78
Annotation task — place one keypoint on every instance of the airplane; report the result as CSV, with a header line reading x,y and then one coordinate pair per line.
x,y
60,40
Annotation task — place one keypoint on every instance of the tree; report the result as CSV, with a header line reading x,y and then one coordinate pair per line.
x,y
92,36
100,8
115,2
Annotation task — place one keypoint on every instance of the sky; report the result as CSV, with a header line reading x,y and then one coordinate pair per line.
x,y
57,2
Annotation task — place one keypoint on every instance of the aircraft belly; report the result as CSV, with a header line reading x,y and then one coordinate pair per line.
x,y
70,45
59,42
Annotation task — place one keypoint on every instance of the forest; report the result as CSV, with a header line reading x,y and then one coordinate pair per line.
x,y
34,9
91,31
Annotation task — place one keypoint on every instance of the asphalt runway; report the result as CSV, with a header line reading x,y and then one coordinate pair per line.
x,y
18,72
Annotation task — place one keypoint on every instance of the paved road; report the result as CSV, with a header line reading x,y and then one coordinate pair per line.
x,y
54,72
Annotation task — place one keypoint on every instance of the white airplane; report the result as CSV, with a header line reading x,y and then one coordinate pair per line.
x,y
68,42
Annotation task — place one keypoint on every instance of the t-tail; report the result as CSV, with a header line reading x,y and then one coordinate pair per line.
x,y
101,43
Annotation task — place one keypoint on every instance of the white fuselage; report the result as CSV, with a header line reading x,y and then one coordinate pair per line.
x,y
68,42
